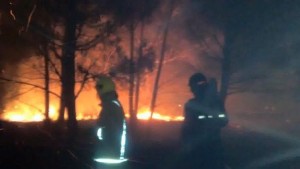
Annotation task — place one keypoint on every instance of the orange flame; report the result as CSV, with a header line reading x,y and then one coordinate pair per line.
x,y
146,116
27,114
30,106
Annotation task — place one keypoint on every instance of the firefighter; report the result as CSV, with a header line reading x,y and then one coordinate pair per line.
x,y
111,123
201,130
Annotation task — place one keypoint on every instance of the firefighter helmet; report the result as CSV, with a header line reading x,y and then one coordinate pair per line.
x,y
198,84
197,79
104,85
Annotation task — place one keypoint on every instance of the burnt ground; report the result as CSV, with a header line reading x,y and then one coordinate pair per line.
x,y
30,146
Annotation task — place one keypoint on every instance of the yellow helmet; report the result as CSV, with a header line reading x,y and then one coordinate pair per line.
x,y
104,85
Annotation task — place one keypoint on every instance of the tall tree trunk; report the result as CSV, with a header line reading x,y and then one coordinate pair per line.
x,y
161,60
47,101
133,119
2,86
131,74
62,106
138,77
226,71
68,67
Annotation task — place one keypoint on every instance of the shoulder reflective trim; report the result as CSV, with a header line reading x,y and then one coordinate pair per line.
x,y
117,103
221,115
211,116
110,160
201,117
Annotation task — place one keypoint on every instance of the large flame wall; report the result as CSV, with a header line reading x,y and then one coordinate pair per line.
x,y
31,107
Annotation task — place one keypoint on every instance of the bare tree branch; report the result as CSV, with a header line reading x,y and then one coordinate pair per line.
x,y
55,68
215,37
85,78
29,84
79,31
30,105
30,16
19,94
90,43
54,50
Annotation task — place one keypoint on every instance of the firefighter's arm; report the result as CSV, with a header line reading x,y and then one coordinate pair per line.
x,y
100,120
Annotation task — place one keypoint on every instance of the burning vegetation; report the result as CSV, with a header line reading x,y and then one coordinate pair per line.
x,y
55,79
26,102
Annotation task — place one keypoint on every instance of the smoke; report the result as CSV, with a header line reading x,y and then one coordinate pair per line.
x,y
265,46
12,53
14,48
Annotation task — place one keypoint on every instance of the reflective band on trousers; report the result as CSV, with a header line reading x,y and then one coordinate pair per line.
x,y
123,138
211,116
110,160
123,144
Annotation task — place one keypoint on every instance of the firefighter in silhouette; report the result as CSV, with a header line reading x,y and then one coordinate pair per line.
x,y
111,123
201,130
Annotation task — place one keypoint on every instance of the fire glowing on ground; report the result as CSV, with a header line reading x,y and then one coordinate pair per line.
x,y
26,114
146,116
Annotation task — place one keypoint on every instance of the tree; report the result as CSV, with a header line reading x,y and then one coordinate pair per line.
x,y
14,46
249,37
221,28
133,13
162,55
63,34
59,31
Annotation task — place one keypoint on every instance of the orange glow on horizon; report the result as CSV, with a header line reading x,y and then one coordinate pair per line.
x,y
31,107
146,116
25,104
25,114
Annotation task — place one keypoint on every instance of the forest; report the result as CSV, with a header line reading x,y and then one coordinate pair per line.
x,y
51,51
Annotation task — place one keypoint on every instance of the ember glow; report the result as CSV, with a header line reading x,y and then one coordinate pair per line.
x,y
30,107
146,116
26,104
26,113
